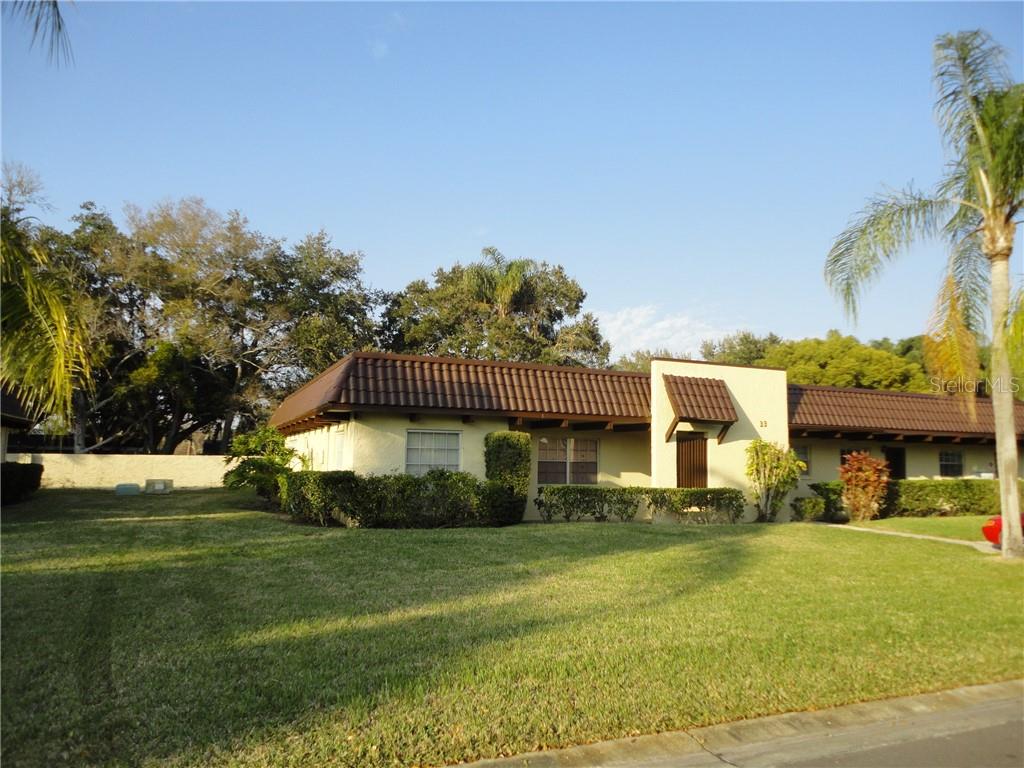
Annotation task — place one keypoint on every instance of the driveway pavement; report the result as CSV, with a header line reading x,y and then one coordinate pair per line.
x,y
973,727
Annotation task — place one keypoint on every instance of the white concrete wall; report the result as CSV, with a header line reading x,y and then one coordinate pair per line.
x,y
86,470
759,399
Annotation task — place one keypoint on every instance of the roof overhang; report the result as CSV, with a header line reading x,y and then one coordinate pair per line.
x,y
887,434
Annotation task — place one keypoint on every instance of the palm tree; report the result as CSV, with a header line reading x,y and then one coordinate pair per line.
x,y
500,284
47,22
980,112
43,347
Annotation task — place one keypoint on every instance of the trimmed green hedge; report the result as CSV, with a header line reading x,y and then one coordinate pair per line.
x,y
438,499
315,497
807,508
598,503
698,505
507,459
507,465
921,498
955,496
572,502
18,481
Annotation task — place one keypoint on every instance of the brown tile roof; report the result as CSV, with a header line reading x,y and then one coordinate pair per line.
x,y
696,398
902,412
376,380
387,382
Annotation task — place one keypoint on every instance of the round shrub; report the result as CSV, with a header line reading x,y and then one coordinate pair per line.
x,y
807,508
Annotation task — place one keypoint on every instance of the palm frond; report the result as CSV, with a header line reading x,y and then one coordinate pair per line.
x,y
43,349
47,22
950,344
884,228
1002,118
967,66
1015,333
509,284
969,268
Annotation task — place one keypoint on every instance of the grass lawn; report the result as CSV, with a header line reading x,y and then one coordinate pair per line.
x,y
196,630
967,527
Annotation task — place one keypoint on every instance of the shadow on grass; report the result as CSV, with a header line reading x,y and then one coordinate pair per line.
x,y
57,505
194,653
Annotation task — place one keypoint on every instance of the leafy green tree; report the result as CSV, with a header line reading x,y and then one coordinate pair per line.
x,y
980,112
330,311
842,361
270,316
42,345
910,349
495,309
257,459
197,323
740,348
640,360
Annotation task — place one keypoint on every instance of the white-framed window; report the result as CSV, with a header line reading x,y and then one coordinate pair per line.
x,y
951,463
427,449
803,452
567,460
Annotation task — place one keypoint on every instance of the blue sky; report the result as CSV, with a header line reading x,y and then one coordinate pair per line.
x,y
689,164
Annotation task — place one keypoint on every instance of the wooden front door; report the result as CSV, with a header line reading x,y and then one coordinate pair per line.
x,y
691,460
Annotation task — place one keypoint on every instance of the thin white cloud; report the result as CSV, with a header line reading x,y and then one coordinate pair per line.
x,y
648,326
379,49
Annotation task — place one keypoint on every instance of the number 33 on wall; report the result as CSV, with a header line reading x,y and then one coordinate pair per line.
x,y
762,423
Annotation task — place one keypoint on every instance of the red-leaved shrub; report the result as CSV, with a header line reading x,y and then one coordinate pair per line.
x,y
864,482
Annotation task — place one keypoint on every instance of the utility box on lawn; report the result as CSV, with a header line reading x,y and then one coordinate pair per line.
x,y
159,486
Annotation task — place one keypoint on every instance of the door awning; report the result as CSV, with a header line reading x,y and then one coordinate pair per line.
x,y
699,399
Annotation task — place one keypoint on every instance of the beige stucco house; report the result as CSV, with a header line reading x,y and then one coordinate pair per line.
x,y
686,424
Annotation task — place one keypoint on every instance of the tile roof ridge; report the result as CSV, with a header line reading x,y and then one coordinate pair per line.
x,y
870,391
374,355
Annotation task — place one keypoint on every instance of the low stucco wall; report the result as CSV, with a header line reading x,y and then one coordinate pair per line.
x,y
68,470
